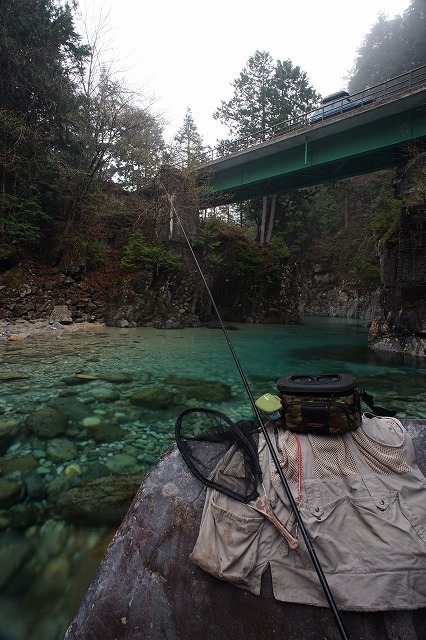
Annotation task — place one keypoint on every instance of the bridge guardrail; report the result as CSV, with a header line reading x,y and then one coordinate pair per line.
x,y
404,82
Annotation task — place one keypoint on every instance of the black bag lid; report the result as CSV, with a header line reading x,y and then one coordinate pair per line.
x,y
320,383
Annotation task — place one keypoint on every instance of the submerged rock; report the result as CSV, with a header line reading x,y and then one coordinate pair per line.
x,y
21,463
203,390
61,450
104,394
10,493
9,430
117,378
47,422
122,463
154,398
72,408
13,377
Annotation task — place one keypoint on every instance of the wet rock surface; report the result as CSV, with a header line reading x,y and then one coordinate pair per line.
x,y
103,501
147,588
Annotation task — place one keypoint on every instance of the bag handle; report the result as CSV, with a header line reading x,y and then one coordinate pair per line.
x,y
378,411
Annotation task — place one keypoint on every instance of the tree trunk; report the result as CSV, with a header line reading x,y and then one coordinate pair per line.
x,y
271,218
263,224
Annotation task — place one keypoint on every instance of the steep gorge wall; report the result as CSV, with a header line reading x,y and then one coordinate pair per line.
x,y
323,295
33,290
401,326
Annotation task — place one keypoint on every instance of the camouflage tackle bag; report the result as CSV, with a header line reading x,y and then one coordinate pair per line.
x,y
320,404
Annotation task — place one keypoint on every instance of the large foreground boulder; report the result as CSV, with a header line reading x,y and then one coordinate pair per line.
x,y
146,588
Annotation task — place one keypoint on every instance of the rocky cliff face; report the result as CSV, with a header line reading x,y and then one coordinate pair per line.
x,y
32,290
401,327
323,296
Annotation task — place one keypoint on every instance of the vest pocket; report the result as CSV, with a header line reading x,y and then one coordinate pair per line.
x,y
228,539
334,539
363,535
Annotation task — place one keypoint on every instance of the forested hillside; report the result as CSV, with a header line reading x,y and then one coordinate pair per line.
x,y
86,216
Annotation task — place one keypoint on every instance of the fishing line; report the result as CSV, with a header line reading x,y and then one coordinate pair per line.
x,y
294,507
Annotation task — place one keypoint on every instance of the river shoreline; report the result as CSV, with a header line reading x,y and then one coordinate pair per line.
x,y
21,329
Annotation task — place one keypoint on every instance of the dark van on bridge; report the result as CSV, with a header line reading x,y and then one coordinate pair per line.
x,y
337,103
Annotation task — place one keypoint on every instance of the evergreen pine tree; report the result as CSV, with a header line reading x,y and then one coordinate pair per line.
x,y
187,148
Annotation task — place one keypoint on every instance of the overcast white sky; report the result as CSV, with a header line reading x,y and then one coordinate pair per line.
x,y
186,53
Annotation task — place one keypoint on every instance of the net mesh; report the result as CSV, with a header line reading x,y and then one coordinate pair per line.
x,y
220,453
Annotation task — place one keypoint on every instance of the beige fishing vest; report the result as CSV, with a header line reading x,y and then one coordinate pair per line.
x,y
362,499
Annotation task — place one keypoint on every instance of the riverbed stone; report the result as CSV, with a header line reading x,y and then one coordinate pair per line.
x,y
104,394
117,377
203,390
154,398
91,421
74,381
24,514
14,550
107,432
96,470
61,450
9,430
58,486
121,463
35,485
13,376
21,463
47,422
71,407
10,493
73,470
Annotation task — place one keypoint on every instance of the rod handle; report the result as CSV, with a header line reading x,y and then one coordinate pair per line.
x,y
263,506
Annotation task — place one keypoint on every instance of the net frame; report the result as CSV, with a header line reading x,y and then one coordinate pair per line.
x,y
231,437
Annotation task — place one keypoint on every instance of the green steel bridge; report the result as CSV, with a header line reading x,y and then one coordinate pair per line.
x,y
297,154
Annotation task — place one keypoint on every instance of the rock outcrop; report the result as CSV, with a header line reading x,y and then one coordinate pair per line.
x,y
146,587
401,327
320,297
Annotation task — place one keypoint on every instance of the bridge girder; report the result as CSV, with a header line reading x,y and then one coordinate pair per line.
x,y
365,141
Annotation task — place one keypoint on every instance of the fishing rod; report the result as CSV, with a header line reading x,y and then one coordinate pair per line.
x,y
294,507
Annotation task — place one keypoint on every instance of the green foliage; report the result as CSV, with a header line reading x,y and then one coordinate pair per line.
x,y
187,149
138,253
392,47
366,270
97,253
21,219
265,94
40,53
227,247
279,248
352,218
67,126
136,150
39,49
387,218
